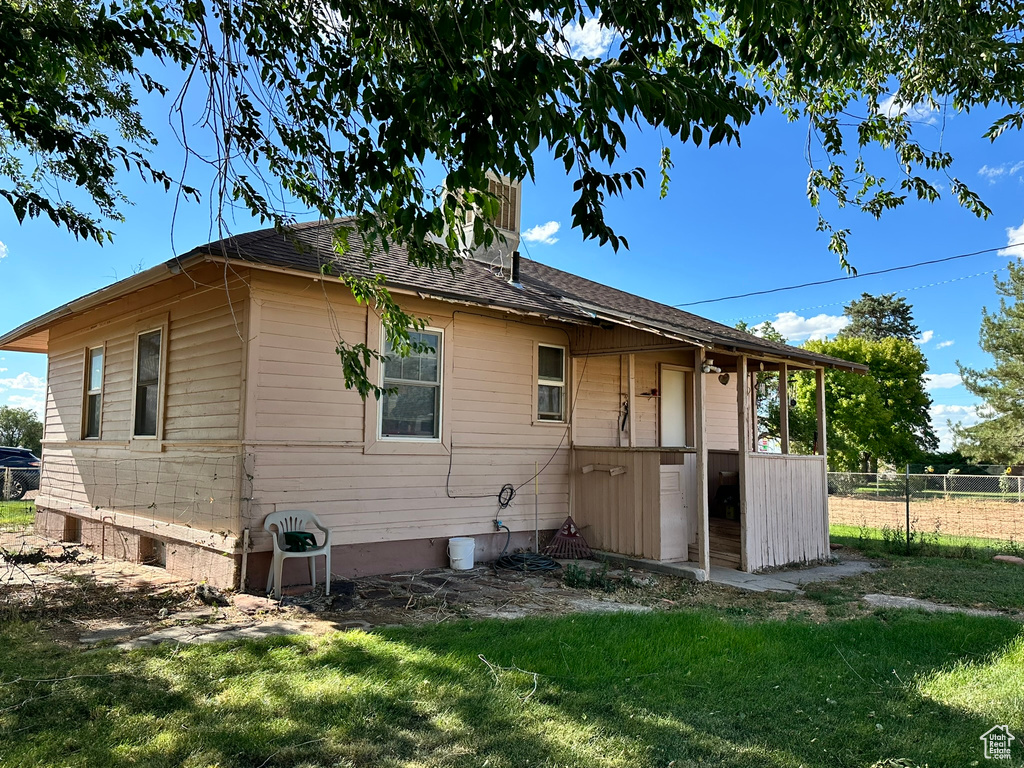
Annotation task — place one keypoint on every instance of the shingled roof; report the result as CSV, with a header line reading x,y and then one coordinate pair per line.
x,y
545,290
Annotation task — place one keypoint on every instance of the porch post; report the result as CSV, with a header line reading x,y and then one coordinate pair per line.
x,y
742,427
571,409
784,407
823,451
701,444
820,396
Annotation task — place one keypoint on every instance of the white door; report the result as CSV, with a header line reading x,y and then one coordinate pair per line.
x,y
678,509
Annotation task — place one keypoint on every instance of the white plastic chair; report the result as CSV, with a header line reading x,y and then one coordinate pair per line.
x,y
287,522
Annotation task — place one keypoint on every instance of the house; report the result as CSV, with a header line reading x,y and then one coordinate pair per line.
x,y
187,402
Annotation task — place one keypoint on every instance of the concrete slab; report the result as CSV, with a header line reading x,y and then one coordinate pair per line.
x,y
215,633
832,572
913,603
750,582
682,569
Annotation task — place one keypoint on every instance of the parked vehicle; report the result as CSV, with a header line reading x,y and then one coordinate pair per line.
x,y
23,466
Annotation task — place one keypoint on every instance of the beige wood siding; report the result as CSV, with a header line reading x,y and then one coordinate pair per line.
x,y
722,421
786,514
601,392
192,476
621,512
308,438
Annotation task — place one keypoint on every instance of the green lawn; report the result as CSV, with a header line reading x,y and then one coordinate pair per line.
x,y
624,690
882,543
17,514
955,571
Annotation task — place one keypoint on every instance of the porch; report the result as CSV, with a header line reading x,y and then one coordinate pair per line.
x,y
717,498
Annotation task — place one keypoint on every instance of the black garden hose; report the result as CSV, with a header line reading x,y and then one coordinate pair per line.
x,y
525,562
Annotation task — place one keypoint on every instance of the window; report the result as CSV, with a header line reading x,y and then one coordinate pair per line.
x,y
147,383
413,409
93,392
550,383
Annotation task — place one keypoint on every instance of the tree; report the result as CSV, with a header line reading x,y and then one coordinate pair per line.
x,y
883,413
336,107
1000,438
69,69
880,317
20,427
767,399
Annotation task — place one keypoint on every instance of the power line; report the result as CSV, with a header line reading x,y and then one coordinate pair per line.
x,y
901,290
849,277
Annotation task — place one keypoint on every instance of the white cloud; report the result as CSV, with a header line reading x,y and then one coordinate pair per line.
x,y
32,388
3,255
796,328
892,106
589,40
1014,239
995,172
939,410
925,337
941,381
543,233
23,382
944,344
942,415
32,402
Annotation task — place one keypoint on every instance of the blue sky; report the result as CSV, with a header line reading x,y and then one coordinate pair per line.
x,y
735,220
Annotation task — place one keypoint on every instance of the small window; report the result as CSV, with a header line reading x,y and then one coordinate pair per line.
x,y
93,392
413,407
550,383
147,383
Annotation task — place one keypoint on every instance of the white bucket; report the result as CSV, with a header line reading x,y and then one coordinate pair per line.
x,y
460,553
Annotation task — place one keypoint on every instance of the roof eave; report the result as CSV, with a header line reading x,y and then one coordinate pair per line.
x,y
10,341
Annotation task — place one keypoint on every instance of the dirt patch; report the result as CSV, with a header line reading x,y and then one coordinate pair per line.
x,y
953,516
80,599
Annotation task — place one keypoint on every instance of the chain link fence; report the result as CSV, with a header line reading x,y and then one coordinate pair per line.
x,y
18,489
981,510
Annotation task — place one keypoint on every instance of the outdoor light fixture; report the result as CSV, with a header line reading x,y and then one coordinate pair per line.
x,y
710,367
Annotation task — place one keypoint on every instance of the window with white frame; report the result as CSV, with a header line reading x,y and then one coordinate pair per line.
x,y
93,392
412,407
147,383
550,383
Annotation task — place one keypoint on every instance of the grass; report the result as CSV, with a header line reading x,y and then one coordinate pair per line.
x,y
683,689
956,571
878,542
17,514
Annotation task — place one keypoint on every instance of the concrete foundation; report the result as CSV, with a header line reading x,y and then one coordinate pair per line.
x,y
223,570
112,542
354,560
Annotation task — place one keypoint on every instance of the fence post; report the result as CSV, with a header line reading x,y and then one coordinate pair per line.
x,y
908,508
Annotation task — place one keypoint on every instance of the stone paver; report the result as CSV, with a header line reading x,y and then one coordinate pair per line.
x,y
215,633
913,603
